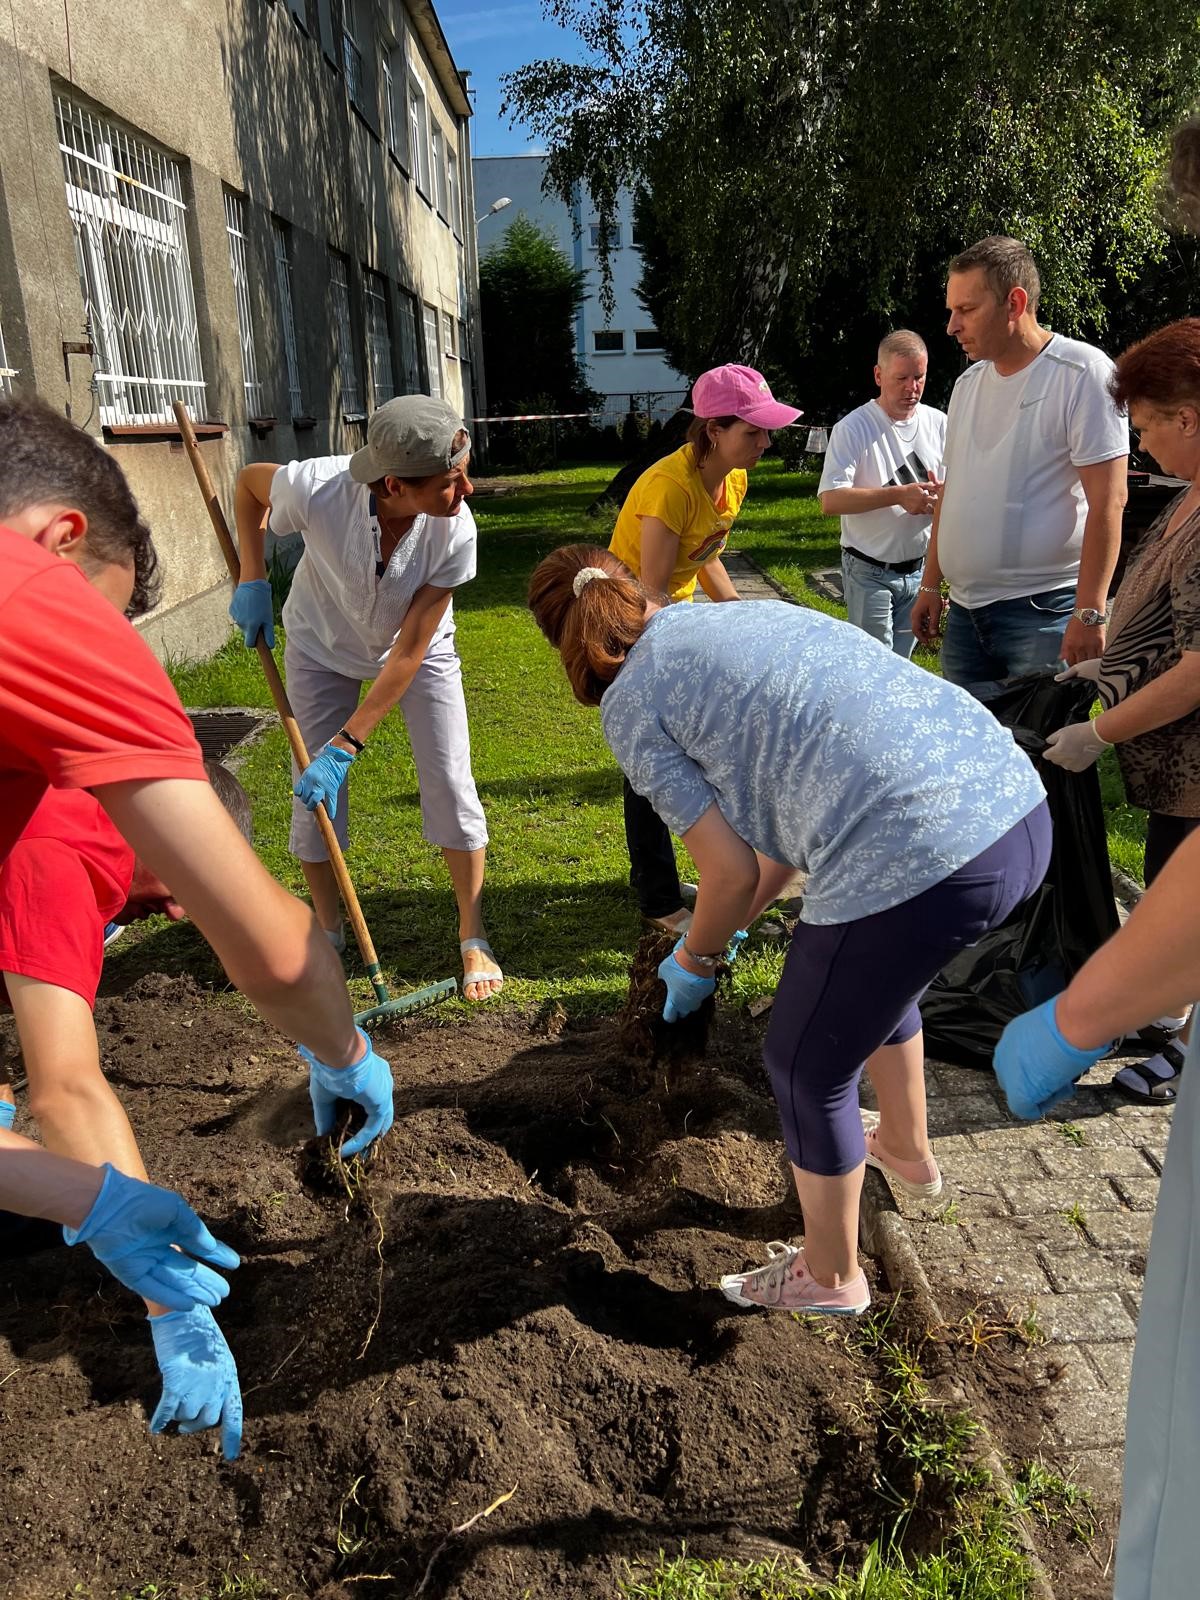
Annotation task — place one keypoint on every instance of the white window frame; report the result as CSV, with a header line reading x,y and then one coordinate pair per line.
x,y
449,334
418,135
287,314
379,337
431,327
239,268
353,409
608,333
453,193
134,268
437,155
647,349
393,71
594,236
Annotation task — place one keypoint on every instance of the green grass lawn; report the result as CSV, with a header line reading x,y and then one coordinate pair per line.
x,y
559,910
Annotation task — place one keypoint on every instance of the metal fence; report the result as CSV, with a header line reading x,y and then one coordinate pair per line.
x,y
127,209
235,227
287,315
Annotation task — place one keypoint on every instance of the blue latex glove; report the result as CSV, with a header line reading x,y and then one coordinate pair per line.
x,y
322,778
200,1381
1036,1066
253,611
131,1230
368,1083
734,948
8,1113
685,991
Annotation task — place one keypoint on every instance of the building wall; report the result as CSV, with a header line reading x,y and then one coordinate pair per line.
x,y
632,373
252,97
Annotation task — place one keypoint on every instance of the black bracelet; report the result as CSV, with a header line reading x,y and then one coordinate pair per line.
x,y
358,744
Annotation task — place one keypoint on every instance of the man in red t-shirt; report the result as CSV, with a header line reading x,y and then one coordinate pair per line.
x,y
84,705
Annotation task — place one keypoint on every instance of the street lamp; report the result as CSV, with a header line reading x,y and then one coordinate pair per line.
x,y
496,205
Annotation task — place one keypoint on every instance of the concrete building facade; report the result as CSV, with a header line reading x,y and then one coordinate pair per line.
x,y
260,207
622,357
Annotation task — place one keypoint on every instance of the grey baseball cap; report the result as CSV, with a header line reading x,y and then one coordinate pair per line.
x,y
411,436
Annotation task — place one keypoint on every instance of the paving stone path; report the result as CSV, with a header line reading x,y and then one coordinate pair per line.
x,y
1052,1219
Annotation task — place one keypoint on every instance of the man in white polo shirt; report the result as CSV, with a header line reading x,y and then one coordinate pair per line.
x,y
881,478
1029,525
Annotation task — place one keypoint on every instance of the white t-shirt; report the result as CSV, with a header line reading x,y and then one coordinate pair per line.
x,y
338,611
868,450
1013,509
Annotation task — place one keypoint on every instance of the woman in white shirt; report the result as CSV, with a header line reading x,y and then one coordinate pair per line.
x,y
388,537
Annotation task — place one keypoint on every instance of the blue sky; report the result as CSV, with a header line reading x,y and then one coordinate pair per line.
x,y
489,40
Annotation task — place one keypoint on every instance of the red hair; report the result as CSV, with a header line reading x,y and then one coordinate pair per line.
x,y
595,629
1162,369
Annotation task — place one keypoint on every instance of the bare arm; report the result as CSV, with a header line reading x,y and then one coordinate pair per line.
x,y
1105,489
715,581
251,509
926,618
773,878
268,942
728,880
36,1183
919,499
660,552
1151,968
406,655
1165,700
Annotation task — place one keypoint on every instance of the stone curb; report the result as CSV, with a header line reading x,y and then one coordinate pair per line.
x,y
885,1236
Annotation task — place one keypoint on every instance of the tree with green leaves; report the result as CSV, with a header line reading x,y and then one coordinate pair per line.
x,y
529,293
805,165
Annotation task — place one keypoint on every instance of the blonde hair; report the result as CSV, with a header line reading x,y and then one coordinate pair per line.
x,y
901,342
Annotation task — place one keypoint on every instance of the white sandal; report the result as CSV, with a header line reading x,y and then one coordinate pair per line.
x,y
490,974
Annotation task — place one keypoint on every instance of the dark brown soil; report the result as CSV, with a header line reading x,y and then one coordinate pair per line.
x,y
517,1295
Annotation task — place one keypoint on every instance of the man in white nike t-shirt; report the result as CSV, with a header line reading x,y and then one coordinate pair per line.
x,y
881,476
1029,525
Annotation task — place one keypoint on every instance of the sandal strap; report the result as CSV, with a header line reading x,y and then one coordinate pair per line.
x,y
475,944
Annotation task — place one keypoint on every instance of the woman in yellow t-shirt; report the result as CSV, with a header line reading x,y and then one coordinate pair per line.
x,y
670,534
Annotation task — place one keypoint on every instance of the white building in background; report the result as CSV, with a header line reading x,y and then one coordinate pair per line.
x,y
622,357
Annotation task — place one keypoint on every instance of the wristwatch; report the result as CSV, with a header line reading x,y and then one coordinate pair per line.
x,y
1089,616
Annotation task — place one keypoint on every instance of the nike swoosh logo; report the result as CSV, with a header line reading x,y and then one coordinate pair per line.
x,y
1036,402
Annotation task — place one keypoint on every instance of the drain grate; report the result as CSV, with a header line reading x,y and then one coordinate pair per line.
x,y
219,732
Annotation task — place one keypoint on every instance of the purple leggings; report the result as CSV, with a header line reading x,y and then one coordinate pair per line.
x,y
853,986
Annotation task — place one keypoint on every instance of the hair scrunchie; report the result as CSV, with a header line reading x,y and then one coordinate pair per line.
x,y
584,576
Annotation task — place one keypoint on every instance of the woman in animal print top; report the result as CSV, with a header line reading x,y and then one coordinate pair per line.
x,y
1148,678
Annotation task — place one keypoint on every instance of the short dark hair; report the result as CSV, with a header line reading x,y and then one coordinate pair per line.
x,y
232,796
45,457
1007,264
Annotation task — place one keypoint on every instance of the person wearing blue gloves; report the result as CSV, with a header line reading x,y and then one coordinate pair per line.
x,y
1148,969
772,738
388,537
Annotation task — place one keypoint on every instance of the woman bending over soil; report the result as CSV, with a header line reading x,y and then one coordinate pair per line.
x,y
772,738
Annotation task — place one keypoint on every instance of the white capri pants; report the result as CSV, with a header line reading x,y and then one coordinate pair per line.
x,y
435,714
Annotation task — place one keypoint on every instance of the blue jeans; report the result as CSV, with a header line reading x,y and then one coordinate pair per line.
x,y
983,646
880,603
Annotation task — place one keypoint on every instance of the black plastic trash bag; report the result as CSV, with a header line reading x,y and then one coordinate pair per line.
x,y
1039,949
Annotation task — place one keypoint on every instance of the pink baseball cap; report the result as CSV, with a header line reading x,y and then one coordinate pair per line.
x,y
733,391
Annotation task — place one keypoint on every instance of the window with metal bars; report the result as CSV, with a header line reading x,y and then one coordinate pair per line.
x,y
352,61
410,360
125,199
433,351
235,227
339,289
287,316
379,339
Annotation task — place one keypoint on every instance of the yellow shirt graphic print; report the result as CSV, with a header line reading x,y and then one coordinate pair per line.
x,y
673,492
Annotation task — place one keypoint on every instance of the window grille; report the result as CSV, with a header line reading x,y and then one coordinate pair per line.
x,y
352,61
433,353
287,318
125,199
339,287
410,361
379,339
235,227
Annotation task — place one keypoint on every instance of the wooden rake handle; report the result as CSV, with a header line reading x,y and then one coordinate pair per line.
x,y
282,705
